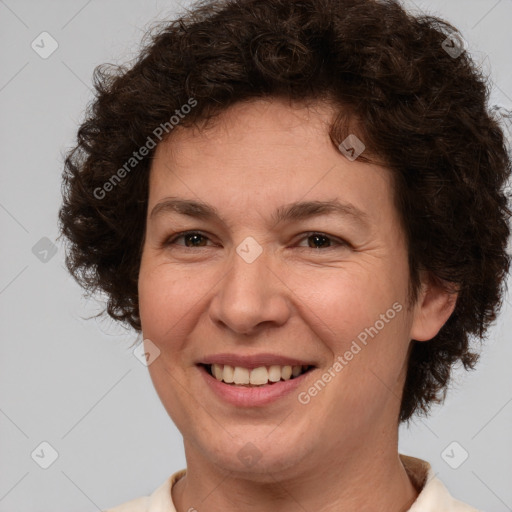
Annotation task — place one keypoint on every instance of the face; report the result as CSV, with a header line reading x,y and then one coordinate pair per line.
x,y
262,272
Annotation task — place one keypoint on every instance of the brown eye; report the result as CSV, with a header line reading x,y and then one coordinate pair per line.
x,y
322,241
318,241
191,238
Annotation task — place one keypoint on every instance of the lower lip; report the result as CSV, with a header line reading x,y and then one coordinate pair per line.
x,y
252,397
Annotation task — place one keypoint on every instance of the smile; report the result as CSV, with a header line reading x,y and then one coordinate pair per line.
x,y
275,382
260,376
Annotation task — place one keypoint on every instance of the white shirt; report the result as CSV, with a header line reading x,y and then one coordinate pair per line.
x,y
433,497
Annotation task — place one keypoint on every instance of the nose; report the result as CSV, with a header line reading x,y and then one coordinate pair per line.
x,y
250,297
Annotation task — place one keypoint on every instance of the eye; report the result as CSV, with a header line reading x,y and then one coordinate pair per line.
x,y
323,241
196,239
191,238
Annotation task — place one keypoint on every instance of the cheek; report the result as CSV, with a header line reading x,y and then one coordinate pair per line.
x,y
165,297
362,319
345,301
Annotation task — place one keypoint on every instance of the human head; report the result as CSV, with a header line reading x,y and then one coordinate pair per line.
x,y
419,111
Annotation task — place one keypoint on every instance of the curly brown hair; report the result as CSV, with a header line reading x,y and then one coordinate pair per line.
x,y
420,109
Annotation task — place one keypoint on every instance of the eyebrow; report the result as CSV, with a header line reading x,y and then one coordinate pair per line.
x,y
295,211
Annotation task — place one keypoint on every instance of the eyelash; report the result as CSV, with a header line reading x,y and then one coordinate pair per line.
x,y
338,242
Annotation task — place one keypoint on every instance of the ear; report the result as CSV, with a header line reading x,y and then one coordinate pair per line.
x,y
433,308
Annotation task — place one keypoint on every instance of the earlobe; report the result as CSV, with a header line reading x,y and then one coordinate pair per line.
x,y
433,309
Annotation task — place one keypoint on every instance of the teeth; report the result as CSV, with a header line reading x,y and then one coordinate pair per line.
x,y
241,375
217,371
274,373
227,375
257,376
286,372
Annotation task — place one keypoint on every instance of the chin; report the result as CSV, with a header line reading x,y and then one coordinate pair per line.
x,y
260,456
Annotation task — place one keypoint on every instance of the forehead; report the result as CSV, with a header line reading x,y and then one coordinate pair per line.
x,y
252,126
263,155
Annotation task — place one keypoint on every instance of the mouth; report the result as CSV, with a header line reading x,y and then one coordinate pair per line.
x,y
238,376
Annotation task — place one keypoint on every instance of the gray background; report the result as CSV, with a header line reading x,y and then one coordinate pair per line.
x,y
75,383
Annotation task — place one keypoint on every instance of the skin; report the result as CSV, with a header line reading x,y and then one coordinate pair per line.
x,y
299,298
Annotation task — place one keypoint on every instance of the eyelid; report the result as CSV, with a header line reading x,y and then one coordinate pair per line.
x,y
171,239
338,242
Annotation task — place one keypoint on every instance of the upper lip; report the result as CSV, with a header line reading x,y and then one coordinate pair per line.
x,y
253,361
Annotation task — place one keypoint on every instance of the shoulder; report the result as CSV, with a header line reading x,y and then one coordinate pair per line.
x,y
136,505
433,495
159,500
